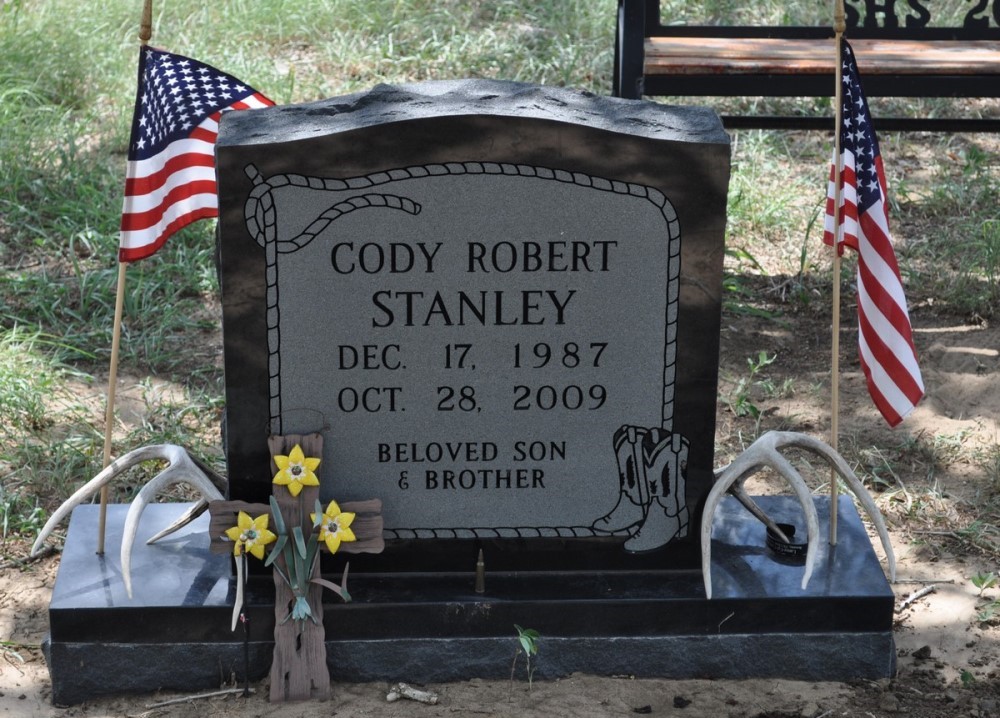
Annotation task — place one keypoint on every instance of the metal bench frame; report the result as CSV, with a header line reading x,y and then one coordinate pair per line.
x,y
640,29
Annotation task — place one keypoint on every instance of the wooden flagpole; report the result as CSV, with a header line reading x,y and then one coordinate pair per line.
x,y
145,33
839,26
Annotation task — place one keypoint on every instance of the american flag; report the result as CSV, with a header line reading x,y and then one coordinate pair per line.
x,y
884,334
170,177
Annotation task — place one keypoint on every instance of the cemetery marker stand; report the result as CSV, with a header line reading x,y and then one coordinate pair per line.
x,y
174,635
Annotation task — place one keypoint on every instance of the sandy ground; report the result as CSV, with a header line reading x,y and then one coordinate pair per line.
x,y
937,638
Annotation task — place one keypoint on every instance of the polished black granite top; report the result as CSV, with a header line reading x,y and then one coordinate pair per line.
x,y
181,590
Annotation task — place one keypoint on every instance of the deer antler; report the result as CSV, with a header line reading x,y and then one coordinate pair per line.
x,y
182,469
766,452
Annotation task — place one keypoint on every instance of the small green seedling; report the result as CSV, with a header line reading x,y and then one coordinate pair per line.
x,y
988,613
527,643
984,581
742,404
967,678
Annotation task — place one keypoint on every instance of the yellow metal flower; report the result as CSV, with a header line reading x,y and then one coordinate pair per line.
x,y
335,526
296,470
250,535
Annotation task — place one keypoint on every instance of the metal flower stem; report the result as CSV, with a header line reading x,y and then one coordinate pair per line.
x,y
245,619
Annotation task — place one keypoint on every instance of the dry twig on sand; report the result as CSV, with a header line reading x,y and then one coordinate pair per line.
x,y
916,596
402,690
199,696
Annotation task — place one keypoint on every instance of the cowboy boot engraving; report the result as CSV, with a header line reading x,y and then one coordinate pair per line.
x,y
665,461
633,493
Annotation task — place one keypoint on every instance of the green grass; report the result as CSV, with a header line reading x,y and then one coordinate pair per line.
x,y
40,426
67,85
960,204
66,96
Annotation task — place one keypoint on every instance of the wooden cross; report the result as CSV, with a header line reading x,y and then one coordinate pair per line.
x,y
299,670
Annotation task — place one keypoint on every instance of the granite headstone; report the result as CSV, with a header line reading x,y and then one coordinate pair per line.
x,y
498,302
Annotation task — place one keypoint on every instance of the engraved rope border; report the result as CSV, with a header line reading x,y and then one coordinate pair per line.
x,y
260,217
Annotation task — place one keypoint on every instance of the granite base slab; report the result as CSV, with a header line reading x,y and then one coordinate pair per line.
x,y
174,633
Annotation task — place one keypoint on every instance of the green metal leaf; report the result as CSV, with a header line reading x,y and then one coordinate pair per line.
x,y
311,553
301,609
279,520
300,541
299,579
279,544
330,585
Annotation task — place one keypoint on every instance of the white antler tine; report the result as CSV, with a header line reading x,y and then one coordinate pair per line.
x,y
187,517
736,471
840,465
785,469
213,493
238,603
217,479
145,453
181,470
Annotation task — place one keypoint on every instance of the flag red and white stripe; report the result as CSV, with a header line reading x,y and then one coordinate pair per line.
x,y
885,337
170,176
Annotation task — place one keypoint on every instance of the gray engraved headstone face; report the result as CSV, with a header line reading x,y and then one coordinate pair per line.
x,y
498,302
